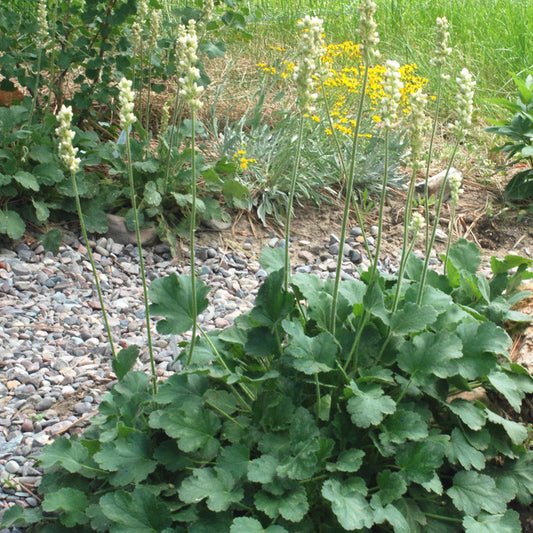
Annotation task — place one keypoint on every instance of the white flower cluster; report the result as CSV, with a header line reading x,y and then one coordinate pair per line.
x,y
137,26
142,11
455,180
67,152
416,223
417,127
465,101
392,85
368,32
155,23
209,9
126,99
42,23
186,47
311,49
442,50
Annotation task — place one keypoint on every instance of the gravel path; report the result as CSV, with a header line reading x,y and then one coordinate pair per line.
x,y
55,362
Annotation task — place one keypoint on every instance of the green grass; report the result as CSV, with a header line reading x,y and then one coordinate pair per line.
x,y
489,37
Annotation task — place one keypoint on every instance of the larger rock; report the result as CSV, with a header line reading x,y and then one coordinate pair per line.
x,y
118,231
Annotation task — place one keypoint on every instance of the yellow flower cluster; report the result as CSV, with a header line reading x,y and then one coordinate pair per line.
x,y
243,161
286,68
343,83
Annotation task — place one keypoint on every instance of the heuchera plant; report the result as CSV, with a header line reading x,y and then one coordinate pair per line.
x,y
329,406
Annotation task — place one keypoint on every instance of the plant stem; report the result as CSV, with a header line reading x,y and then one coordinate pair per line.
x,y
428,162
171,141
148,97
192,236
141,262
291,200
381,209
93,266
348,201
436,222
358,215
36,90
366,314
450,231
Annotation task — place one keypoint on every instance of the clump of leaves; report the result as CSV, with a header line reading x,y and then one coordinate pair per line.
x,y
277,426
519,130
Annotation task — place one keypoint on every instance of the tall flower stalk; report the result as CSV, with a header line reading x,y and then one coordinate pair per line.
x,y
311,49
388,111
465,107
455,190
155,23
41,42
368,49
190,91
390,104
439,60
67,153
416,129
127,117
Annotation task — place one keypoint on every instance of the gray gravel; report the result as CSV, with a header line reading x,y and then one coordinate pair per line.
x,y
55,362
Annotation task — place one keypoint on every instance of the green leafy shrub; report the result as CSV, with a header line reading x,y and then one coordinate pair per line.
x,y
276,427
519,130
88,45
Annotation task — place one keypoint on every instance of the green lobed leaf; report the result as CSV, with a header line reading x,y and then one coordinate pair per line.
x,y
95,220
70,503
272,259
41,210
292,504
139,511
272,303
369,405
513,386
51,240
68,453
391,485
412,318
418,461
151,195
430,353
374,302
481,342
251,525
129,459
235,460
195,429
27,180
17,516
172,299
473,414
125,360
394,517
465,256
509,522
517,432
263,469
348,502
302,462
215,485
460,451
310,355
519,473
185,391
403,425
473,492
348,461
11,224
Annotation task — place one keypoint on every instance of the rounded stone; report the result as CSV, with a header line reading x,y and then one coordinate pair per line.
x,y
12,467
